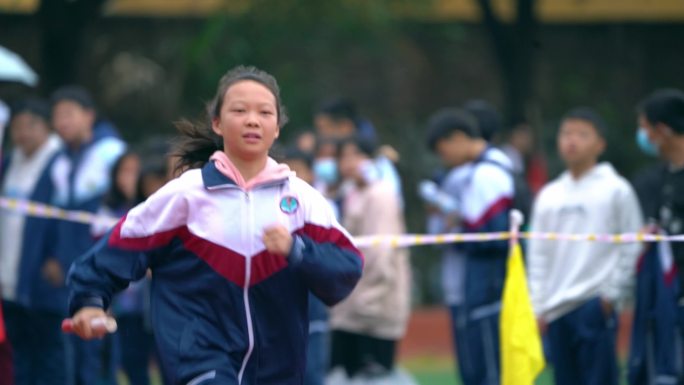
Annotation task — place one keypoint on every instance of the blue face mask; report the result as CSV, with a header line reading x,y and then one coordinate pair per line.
x,y
325,170
645,144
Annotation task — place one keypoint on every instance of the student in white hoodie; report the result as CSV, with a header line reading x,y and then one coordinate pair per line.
x,y
576,286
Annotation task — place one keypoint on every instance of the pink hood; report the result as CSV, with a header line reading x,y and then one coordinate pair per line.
x,y
272,171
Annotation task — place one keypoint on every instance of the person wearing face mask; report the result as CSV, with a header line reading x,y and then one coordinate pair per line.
x,y
324,163
367,326
655,356
338,119
661,133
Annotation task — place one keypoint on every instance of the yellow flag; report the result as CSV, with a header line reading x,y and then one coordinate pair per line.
x,y
522,356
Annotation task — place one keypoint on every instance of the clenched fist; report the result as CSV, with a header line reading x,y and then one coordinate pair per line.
x,y
278,240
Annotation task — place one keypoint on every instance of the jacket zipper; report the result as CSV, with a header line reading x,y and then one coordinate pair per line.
x,y
245,290
248,266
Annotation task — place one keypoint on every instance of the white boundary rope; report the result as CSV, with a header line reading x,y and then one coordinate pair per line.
x,y
405,240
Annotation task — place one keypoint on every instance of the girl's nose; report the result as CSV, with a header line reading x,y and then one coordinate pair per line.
x,y
252,120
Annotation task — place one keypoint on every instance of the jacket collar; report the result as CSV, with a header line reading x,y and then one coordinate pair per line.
x,y
219,172
213,178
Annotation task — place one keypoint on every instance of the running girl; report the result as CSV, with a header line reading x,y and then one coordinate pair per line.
x,y
234,245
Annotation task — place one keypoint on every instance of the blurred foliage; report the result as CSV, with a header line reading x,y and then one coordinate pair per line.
x,y
294,40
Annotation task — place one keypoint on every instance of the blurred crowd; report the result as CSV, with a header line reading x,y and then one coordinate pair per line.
x,y
63,153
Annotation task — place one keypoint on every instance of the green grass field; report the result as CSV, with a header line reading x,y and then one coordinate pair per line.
x,y
426,371
440,371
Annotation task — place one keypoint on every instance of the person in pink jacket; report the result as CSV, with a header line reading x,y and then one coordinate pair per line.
x,y
369,323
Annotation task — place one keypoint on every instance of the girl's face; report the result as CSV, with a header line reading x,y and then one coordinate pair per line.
x,y
127,176
248,121
349,161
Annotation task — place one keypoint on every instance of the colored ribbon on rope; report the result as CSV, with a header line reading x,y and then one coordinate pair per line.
x,y
405,240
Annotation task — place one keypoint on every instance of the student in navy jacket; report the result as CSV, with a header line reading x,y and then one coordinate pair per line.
x,y
234,247
656,356
32,328
80,176
482,192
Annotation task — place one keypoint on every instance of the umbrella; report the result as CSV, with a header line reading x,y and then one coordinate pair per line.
x,y
14,69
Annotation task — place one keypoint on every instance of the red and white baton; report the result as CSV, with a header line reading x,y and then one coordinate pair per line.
x,y
106,323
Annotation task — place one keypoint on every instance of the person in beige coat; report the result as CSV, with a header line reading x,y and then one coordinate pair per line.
x,y
369,323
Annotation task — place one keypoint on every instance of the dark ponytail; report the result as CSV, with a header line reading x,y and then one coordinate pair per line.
x,y
198,141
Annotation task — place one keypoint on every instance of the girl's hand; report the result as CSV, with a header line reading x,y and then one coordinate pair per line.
x,y
82,323
278,240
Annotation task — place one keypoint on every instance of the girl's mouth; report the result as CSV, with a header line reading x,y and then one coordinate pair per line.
x,y
251,136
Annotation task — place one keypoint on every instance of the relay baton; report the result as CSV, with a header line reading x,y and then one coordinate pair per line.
x,y
107,323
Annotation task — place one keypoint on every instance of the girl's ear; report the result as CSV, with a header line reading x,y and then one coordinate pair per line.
x,y
215,126
664,129
277,131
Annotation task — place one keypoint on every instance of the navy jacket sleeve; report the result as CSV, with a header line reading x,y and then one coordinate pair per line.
x,y
124,254
329,270
102,272
492,189
324,254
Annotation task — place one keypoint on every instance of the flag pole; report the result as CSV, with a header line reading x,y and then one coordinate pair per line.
x,y
516,220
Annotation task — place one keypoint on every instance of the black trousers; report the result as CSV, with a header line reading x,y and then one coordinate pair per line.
x,y
362,354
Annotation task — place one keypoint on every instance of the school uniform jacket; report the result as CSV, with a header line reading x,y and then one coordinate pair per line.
x,y
655,347
222,306
81,179
474,272
31,289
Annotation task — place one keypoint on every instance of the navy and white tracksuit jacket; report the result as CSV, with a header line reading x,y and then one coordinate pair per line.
x,y
485,191
31,289
473,273
655,351
81,180
224,309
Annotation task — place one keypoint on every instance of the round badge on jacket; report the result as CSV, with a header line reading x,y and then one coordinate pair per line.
x,y
289,204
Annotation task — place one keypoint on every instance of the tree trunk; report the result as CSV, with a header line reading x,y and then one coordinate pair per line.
x,y
62,24
514,47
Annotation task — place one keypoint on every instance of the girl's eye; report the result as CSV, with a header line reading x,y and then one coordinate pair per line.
x,y
266,113
238,110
